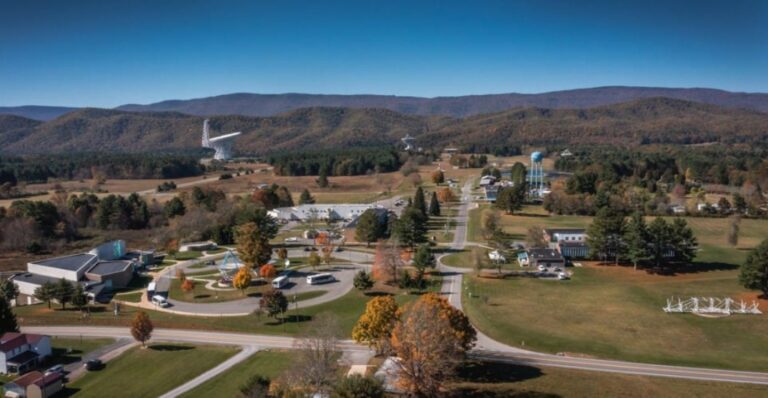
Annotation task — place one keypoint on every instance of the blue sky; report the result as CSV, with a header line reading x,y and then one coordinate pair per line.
x,y
108,53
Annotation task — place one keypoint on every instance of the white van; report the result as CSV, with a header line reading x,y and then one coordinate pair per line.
x,y
159,301
280,281
320,278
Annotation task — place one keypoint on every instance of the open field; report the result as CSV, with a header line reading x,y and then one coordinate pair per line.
x,y
348,309
149,372
501,380
264,363
616,312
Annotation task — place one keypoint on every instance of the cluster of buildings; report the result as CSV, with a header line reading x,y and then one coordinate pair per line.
x,y
99,271
562,244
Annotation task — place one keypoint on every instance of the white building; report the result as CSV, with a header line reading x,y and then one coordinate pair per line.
x,y
334,212
19,352
487,180
497,257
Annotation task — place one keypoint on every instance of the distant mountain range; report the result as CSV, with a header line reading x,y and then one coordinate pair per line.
x,y
462,106
651,120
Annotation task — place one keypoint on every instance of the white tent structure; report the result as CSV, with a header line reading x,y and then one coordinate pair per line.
x,y
230,265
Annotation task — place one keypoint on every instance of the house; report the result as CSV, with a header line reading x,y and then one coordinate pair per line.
x,y
497,257
573,249
707,207
491,193
566,153
101,270
20,352
487,180
554,235
35,385
678,209
546,257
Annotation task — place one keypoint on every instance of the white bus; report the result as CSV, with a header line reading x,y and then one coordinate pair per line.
x,y
320,278
280,281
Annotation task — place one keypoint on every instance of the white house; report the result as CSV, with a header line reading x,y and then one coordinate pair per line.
x,y
19,352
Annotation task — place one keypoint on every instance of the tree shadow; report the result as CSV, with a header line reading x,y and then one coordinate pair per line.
x,y
201,296
170,347
377,294
693,268
254,294
496,372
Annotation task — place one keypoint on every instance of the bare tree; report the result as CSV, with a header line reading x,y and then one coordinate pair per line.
x,y
535,236
317,362
733,231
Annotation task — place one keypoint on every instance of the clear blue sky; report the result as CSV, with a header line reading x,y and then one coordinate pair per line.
x,y
107,53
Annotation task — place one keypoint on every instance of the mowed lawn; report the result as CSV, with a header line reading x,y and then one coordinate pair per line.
x,y
615,312
149,372
270,364
347,309
500,380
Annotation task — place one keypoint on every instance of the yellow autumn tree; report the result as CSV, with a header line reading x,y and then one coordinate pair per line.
x,y
253,246
242,279
428,346
374,327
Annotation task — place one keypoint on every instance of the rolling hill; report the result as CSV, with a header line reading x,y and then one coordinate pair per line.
x,y
36,112
652,120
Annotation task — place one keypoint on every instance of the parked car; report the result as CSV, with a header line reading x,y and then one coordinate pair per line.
x,y
94,364
292,239
542,268
563,276
159,301
55,369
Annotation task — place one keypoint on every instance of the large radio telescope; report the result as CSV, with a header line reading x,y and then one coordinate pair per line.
x,y
221,144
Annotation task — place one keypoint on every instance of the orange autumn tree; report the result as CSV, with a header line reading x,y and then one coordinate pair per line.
x,y
267,271
430,339
242,279
387,263
188,285
446,195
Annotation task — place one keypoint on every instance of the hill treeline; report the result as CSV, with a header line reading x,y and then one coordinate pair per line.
x,y
643,122
337,162
91,165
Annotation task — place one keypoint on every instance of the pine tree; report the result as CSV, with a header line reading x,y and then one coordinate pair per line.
x,y
411,228
754,272
604,235
7,317
46,293
424,258
64,292
322,179
363,280
369,227
79,299
636,239
684,242
419,202
434,206
306,197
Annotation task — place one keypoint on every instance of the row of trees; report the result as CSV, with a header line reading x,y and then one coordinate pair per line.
x,y
660,243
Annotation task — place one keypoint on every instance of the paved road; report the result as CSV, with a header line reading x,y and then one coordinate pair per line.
x,y
532,359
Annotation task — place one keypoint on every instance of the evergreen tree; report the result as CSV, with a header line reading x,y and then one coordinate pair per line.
x,y
419,202
174,207
636,239
64,292
322,179
79,299
660,241
46,293
411,228
604,235
306,197
7,317
434,206
424,258
684,242
363,280
9,290
754,272
370,227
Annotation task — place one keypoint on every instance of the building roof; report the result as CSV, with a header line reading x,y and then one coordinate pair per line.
x,y
11,340
35,279
74,262
553,231
38,378
544,253
109,267
571,243
23,358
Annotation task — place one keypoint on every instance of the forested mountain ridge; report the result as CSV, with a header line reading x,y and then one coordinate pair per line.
x,y
248,104
653,120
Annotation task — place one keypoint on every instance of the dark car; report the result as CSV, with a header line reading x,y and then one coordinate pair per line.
x,y
94,364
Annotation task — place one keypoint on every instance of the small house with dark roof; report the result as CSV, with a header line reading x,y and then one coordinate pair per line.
x,y
35,385
546,257
20,352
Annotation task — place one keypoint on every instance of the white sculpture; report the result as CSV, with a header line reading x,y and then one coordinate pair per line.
x,y
711,306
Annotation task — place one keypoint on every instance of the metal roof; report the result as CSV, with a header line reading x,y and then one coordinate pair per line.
x,y
74,262
109,267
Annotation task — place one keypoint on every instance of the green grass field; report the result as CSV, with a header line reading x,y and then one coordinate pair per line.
x,y
615,312
348,309
500,380
190,255
149,372
265,363
68,350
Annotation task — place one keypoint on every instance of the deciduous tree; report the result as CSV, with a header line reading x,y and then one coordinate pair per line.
x,y
363,280
274,302
358,386
411,228
64,292
141,328
242,279
438,177
374,327
267,271
445,195
314,260
188,286
253,245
